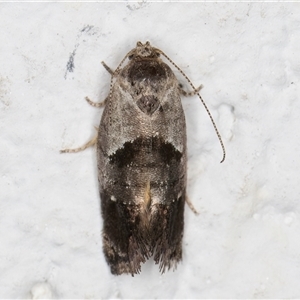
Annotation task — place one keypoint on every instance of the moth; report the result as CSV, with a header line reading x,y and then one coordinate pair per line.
x,y
142,162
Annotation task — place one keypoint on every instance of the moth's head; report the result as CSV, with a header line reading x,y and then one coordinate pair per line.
x,y
144,51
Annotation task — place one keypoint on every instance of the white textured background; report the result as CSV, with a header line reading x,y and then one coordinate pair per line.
x,y
245,242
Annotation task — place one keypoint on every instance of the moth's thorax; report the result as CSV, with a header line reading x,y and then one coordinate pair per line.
x,y
147,69
147,80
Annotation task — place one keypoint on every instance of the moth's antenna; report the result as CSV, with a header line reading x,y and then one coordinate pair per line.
x,y
117,70
204,104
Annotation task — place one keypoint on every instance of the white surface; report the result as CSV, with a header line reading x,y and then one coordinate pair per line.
x,y
245,242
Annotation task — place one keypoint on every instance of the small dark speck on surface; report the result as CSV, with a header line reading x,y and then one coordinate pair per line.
x,y
87,28
70,63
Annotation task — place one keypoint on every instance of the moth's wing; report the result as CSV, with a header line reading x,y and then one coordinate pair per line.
x,y
168,224
127,240
123,242
168,221
123,246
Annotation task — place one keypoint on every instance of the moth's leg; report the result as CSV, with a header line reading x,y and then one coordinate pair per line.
x,y
100,104
187,94
96,104
191,206
108,69
90,143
